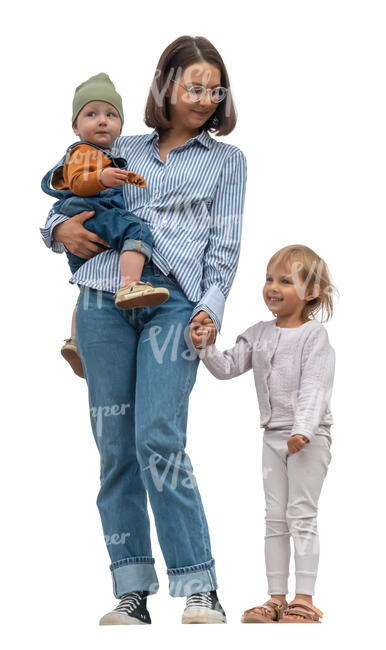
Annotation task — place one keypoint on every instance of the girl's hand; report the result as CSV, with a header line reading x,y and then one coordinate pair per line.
x,y
112,177
76,238
296,443
202,330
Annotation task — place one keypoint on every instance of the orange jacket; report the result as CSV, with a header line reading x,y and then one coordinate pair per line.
x,y
81,170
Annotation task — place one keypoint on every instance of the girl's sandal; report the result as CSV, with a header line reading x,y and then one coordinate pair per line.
x,y
301,611
270,612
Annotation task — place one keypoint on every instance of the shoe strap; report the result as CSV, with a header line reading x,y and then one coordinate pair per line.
x,y
275,605
272,607
136,282
304,608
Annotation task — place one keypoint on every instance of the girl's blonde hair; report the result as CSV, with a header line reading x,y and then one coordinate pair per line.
x,y
314,273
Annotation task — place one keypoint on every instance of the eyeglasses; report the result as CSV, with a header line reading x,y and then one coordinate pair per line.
x,y
197,93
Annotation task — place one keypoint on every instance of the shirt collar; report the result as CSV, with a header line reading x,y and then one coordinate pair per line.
x,y
203,138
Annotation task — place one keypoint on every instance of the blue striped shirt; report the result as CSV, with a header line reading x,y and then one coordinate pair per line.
x,y
193,205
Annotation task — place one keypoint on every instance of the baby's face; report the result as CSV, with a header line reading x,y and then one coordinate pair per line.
x,y
99,123
284,292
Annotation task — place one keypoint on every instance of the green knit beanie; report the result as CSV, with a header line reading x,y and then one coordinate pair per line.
x,y
100,87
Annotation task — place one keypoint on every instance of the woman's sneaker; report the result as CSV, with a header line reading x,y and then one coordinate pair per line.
x,y
203,607
140,294
131,610
70,353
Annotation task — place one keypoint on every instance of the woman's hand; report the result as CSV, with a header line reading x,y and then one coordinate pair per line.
x,y
296,443
202,330
77,239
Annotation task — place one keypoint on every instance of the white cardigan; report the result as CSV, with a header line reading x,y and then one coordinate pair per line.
x,y
294,385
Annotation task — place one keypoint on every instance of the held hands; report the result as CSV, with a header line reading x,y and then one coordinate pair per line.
x,y
296,443
202,330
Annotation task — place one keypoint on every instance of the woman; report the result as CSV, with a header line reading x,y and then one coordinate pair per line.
x,y
140,365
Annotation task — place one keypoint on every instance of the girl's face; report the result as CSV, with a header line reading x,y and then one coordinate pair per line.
x,y
285,293
184,112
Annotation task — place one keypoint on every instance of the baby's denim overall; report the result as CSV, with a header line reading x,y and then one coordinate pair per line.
x,y
121,229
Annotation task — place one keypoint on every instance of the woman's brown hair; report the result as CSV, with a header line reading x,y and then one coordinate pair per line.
x,y
313,271
184,51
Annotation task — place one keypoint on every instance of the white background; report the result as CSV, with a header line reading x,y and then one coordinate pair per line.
x,y
309,84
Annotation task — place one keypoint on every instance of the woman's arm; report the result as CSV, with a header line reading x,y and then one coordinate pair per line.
x,y
233,362
318,366
223,249
53,219
61,232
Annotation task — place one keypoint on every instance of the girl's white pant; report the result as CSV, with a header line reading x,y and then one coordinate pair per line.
x,y
292,485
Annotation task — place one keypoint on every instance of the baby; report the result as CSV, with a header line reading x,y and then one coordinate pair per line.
x,y
293,365
89,178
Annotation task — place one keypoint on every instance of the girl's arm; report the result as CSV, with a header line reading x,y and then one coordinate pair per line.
x,y
318,366
233,362
223,249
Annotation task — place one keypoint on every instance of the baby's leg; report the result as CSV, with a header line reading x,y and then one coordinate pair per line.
x,y
307,469
136,248
70,351
131,265
277,537
73,326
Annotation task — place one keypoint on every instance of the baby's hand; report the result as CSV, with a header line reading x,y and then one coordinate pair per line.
x,y
112,177
296,443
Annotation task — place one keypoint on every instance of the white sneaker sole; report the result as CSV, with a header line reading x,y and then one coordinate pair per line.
x,y
202,615
119,618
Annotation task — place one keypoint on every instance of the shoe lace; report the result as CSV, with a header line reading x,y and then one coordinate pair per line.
x,y
129,602
201,599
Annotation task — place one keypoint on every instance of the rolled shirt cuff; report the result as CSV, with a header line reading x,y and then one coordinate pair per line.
x,y
213,302
46,232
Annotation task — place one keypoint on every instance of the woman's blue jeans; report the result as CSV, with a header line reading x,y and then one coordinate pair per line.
x,y
140,368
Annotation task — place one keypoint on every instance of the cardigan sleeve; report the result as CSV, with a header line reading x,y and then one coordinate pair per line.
x,y
316,380
234,361
223,249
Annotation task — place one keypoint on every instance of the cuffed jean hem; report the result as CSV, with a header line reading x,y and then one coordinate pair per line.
x,y
137,245
189,580
277,583
134,574
305,583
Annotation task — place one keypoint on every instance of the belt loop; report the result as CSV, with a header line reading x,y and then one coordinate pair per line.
x,y
156,270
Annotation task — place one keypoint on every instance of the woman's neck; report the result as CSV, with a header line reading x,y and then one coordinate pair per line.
x,y
177,135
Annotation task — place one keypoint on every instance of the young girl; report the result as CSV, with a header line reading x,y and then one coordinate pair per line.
x,y
293,365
